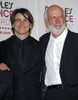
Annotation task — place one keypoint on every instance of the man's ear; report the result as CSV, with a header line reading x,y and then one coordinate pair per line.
x,y
45,20
31,26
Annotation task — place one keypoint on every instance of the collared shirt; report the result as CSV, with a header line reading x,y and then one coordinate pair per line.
x,y
53,57
22,50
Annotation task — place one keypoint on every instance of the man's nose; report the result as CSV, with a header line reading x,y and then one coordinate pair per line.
x,y
22,22
57,20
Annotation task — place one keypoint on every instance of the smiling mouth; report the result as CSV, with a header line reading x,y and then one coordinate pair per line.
x,y
21,27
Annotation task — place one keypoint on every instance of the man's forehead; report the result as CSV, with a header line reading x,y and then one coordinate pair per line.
x,y
25,15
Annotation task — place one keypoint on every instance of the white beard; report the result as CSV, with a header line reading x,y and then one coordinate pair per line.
x,y
56,31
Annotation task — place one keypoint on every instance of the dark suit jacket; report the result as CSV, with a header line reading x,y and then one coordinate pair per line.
x,y
69,60
26,82
6,86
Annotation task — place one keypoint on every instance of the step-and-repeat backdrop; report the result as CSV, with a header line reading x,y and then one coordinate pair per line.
x,y
37,8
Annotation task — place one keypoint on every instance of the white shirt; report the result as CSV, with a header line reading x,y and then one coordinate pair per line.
x,y
52,59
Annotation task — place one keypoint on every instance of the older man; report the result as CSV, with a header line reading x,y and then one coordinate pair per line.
x,y
59,57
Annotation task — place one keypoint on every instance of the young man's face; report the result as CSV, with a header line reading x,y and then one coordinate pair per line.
x,y
21,25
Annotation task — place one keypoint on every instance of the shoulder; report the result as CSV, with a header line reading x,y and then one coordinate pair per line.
x,y
74,35
4,41
34,41
45,36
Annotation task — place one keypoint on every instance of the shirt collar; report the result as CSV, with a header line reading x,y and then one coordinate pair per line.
x,y
16,40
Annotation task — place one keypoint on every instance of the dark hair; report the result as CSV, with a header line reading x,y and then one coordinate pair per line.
x,y
23,11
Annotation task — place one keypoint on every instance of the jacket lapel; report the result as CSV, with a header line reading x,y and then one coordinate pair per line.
x,y
34,57
44,43
66,54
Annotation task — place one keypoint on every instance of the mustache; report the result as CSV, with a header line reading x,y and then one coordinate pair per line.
x,y
57,24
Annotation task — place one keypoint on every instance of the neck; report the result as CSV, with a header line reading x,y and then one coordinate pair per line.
x,y
56,35
22,36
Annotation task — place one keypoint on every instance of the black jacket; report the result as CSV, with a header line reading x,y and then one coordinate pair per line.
x,y
69,61
26,82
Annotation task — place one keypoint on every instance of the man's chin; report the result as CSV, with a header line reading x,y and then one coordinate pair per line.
x,y
57,31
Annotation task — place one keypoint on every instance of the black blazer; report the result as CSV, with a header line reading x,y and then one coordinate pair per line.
x,y
6,86
26,82
69,59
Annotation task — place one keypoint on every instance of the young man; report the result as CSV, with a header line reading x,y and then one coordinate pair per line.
x,y
21,54
59,57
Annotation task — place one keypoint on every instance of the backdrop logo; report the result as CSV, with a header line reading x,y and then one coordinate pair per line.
x,y
7,5
46,7
69,17
5,13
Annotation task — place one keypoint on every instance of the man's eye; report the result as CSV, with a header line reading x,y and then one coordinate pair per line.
x,y
17,20
53,17
60,16
25,20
